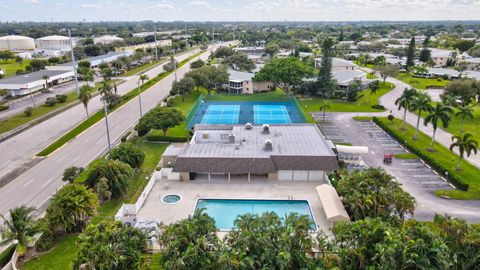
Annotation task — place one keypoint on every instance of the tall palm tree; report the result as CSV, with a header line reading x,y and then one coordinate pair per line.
x,y
464,112
323,107
143,78
84,96
405,102
422,102
45,78
465,145
21,225
440,112
105,90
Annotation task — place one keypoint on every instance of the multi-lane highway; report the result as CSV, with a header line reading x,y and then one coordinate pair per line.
x,y
35,186
19,150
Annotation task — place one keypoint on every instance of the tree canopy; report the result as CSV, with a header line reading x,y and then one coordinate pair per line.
x,y
283,72
118,174
161,118
128,153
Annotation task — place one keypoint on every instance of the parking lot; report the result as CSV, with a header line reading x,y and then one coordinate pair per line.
x,y
416,177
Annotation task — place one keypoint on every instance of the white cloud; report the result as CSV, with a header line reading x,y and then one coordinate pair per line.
x,y
200,3
31,1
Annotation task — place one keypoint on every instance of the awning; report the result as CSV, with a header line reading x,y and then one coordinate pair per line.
x,y
332,205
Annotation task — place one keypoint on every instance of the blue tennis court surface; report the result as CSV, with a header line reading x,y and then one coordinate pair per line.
x,y
271,114
221,114
242,112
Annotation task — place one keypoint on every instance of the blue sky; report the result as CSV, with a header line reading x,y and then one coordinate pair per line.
x,y
238,10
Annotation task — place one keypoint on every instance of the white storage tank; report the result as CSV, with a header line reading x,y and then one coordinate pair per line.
x,y
53,43
16,43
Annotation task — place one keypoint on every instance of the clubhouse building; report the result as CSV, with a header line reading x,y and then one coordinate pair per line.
x,y
290,152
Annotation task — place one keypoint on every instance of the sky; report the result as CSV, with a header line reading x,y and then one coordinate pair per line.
x,y
238,10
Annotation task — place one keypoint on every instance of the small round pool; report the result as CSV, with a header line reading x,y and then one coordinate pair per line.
x,y
171,199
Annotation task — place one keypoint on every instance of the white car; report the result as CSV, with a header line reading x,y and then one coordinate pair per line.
x,y
2,72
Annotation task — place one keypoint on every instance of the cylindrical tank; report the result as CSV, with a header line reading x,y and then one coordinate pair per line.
x,y
16,43
53,43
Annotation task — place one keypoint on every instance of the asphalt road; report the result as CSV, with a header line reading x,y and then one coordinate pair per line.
x,y
20,150
35,186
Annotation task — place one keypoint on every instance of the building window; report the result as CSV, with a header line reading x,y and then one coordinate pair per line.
x,y
205,136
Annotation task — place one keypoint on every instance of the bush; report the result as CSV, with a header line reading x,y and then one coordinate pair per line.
x,y
378,107
61,98
70,173
128,153
160,138
125,137
51,101
118,174
3,107
453,176
28,111
46,241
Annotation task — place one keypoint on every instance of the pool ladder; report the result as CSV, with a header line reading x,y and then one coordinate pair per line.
x,y
290,197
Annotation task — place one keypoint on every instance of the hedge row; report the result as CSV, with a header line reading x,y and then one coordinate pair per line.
x,y
453,176
160,138
6,255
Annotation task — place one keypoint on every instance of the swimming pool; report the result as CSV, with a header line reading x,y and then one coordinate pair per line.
x,y
242,112
225,211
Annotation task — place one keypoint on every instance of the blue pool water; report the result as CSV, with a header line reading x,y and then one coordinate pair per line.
x,y
224,212
242,112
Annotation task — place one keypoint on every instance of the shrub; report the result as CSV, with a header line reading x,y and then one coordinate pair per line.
x,y
51,101
125,137
61,98
70,173
128,153
28,111
118,174
6,255
378,107
453,176
46,241
391,117
3,107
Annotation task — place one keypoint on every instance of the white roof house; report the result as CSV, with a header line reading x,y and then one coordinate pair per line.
x,y
107,39
338,64
31,82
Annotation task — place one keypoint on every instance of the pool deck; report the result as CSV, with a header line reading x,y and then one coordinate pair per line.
x,y
155,210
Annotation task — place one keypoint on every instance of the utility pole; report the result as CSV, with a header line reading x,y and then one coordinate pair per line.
x,y
106,123
174,64
139,98
73,62
155,38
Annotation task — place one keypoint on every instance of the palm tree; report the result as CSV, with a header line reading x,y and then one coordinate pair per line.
x,y
465,144
21,226
143,78
105,90
440,112
422,102
405,102
323,107
84,96
464,112
45,78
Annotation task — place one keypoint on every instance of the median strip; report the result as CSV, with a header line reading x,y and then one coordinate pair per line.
x,y
99,115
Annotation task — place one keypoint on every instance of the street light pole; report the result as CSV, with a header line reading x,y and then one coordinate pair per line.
x,y
139,98
73,62
155,38
106,123
174,64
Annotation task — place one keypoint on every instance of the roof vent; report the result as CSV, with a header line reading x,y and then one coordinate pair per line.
x,y
268,145
248,126
266,129
231,137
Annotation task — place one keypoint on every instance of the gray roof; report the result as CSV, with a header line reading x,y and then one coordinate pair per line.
x,y
111,56
443,71
240,76
338,62
32,77
347,76
294,147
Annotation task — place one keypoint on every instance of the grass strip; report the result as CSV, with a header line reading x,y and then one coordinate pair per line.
x,y
99,115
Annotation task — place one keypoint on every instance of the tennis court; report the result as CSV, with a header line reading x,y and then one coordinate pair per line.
x,y
271,114
221,114
242,112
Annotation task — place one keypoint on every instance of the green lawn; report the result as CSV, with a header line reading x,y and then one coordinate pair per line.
x,y
421,83
364,104
11,67
62,255
445,157
20,119
406,156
